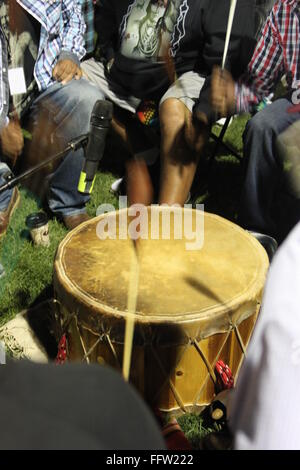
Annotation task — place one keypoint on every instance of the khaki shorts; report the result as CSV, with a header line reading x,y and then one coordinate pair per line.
x,y
186,88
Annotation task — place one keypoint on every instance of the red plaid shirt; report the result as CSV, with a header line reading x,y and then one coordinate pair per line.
x,y
277,53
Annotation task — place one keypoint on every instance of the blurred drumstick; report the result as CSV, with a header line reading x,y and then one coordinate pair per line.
x,y
131,308
229,28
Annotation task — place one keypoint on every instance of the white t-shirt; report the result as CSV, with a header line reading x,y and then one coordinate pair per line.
x,y
148,28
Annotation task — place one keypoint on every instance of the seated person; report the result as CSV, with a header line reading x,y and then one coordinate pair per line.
x,y
46,40
276,54
11,140
164,50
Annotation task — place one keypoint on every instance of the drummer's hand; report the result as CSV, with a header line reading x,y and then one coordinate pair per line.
x,y
222,92
12,140
65,70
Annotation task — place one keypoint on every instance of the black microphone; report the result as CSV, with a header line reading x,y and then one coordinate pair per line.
x,y
99,125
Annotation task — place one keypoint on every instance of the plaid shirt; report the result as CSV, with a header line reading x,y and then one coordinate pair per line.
x,y
88,14
62,30
4,92
276,54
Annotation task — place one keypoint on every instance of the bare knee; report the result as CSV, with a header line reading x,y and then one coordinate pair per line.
x,y
172,117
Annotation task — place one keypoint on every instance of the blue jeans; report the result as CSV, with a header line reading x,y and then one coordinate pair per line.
x,y
6,196
264,173
69,108
68,114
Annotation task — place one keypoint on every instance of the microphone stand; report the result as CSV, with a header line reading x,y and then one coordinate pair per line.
x,y
73,145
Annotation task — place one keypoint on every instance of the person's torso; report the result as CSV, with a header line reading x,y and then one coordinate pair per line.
x,y
147,28
188,33
22,32
56,25
287,30
148,33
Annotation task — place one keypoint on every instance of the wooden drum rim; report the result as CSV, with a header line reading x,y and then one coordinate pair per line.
x,y
247,296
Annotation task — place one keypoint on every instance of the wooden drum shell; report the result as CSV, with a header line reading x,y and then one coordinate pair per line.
x,y
173,358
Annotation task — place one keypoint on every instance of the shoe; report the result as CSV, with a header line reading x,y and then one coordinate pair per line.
x,y
118,187
72,221
6,215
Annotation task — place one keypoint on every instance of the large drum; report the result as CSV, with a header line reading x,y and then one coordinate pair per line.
x,y
194,306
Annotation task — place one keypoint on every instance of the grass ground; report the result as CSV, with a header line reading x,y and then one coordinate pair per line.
x,y
28,269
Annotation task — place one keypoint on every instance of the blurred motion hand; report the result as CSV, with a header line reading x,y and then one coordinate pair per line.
x,y
66,70
222,92
12,141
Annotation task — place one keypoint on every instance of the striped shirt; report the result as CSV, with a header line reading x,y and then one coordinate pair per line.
x,y
62,31
276,54
88,14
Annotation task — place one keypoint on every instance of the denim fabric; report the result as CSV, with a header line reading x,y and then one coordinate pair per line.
x,y
264,172
4,197
69,107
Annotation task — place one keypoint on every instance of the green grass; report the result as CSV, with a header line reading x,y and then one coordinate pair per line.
x,y
28,269
195,428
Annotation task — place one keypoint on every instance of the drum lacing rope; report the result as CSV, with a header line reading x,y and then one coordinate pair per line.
x,y
175,393
113,350
214,362
208,366
89,352
240,340
58,313
100,337
85,357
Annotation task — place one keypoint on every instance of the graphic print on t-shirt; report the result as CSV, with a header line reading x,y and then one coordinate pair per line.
x,y
149,28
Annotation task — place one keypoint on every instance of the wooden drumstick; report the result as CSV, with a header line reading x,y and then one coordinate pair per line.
x,y
229,28
131,307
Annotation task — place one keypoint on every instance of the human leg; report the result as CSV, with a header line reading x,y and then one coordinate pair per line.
x,y
264,167
5,196
182,139
68,108
129,132
9,200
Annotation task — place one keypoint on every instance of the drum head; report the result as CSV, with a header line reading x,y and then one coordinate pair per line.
x,y
176,284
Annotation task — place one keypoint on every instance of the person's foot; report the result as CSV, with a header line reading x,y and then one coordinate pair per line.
x,y
72,221
6,215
